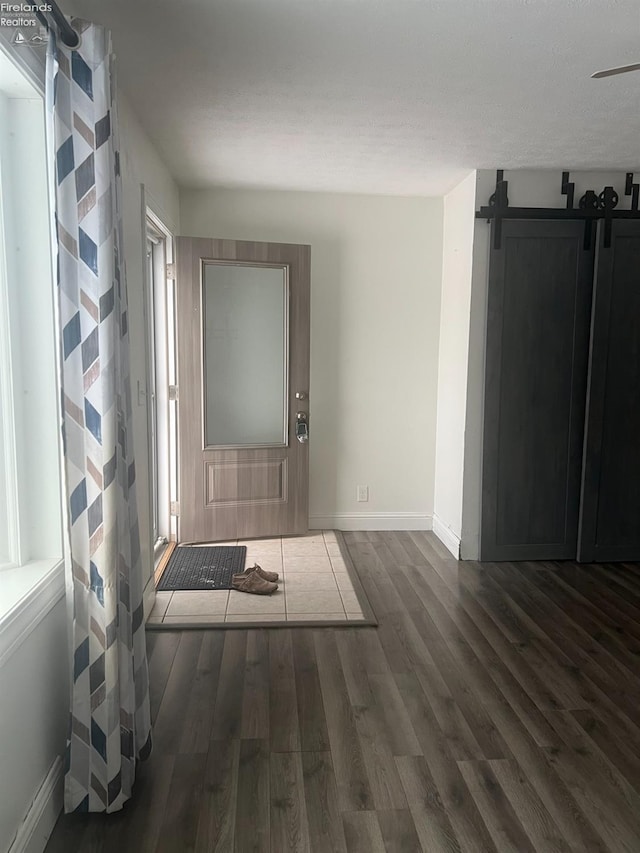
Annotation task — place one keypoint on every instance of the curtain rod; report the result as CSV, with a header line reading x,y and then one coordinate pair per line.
x,y
68,36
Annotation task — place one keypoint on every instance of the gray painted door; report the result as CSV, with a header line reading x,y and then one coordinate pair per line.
x,y
610,512
539,304
243,381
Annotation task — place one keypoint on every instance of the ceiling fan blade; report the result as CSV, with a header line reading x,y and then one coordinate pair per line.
x,y
622,69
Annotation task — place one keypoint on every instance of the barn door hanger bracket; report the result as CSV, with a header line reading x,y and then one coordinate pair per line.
x,y
589,201
609,199
499,203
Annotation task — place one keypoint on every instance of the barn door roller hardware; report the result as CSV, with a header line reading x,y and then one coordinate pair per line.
x,y
591,207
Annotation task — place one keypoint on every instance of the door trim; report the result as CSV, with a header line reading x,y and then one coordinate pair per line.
x,y
160,328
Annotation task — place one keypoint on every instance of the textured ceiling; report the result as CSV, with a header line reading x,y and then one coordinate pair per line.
x,y
376,96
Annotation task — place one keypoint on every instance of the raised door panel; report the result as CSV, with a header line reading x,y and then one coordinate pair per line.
x,y
610,512
535,379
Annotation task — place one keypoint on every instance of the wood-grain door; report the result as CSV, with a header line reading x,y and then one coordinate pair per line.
x,y
539,304
243,382
610,511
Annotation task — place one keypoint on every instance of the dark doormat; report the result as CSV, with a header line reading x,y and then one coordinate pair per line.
x,y
208,567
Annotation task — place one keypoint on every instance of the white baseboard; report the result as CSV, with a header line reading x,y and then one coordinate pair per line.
x,y
43,813
371,521
446,536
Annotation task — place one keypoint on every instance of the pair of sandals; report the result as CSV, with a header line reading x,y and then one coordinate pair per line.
x,y
255,580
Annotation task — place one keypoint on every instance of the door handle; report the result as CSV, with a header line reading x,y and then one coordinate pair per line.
x,y
302,427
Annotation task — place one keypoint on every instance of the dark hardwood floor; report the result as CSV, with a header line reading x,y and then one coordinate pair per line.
x,y
495,708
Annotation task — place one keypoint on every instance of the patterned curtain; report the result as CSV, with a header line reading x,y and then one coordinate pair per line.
x,y
110,725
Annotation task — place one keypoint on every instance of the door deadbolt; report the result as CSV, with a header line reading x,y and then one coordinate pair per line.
x,y
302,427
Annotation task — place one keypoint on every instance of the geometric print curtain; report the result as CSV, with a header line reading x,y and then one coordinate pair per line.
x,y
110,727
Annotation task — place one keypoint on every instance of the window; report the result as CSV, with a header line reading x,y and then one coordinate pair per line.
x,y
9,550
30,470
8,485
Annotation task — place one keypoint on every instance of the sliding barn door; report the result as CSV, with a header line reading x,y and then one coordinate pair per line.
x,y
540,284
610,512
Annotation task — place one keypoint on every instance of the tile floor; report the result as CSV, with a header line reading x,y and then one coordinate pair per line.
x,y
315,585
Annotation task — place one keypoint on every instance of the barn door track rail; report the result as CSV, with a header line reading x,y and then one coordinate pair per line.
x,y
591,207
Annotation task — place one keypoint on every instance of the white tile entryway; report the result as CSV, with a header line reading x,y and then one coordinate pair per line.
x,y
315,585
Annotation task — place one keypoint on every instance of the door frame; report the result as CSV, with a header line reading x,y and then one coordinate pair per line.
x,y
159,314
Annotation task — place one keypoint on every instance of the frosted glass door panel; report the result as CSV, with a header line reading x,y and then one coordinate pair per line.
x,y
245,355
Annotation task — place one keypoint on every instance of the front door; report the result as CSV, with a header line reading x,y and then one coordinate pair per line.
x,y
243,384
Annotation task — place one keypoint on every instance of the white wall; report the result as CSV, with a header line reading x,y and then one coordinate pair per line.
x,y
459,209
141,167
34,709
526,188
376,267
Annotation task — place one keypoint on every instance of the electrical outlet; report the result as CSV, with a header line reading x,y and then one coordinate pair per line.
x,y
363,493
